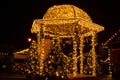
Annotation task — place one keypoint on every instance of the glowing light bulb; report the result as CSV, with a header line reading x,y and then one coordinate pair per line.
x,y
29,39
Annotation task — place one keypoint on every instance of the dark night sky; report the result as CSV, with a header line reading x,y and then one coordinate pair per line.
x,y
17,17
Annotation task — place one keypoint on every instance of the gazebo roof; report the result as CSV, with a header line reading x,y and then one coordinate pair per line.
x,y
64,12
62,20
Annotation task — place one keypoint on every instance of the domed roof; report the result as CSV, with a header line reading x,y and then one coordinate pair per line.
x,y
62,20
65,11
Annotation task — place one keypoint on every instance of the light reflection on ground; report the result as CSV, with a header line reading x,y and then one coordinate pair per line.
x,y
107,77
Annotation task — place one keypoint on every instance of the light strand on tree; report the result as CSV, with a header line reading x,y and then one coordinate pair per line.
x,y
42,57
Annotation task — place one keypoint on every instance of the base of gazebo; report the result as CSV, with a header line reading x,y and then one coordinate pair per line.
x,y
70,77
82,77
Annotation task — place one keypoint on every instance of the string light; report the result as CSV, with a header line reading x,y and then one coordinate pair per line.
x,y
58,22
110,71
111,38
93,55
81,54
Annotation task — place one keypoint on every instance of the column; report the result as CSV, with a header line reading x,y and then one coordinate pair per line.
x,y
81,54
74,57
93,44
40,40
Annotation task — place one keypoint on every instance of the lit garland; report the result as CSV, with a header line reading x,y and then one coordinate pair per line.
x,y
111,38
56,26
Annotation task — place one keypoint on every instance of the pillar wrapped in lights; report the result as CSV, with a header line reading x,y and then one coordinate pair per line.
x,y
60,21
93,54
74,58
81,54
40,40
75,50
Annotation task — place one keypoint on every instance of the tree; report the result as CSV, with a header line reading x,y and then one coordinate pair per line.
x,y
54,65
33,61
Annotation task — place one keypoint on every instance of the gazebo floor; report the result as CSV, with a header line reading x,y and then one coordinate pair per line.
x,y
82,77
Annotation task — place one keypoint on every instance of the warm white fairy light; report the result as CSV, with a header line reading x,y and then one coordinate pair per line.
x,y
41,52
29,39
81,54
111,38
61,24
110,71
74,57
93,55
57,74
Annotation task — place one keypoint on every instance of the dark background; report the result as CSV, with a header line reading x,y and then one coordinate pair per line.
x,y
17,17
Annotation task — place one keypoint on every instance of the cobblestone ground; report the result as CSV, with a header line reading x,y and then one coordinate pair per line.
x,y
107,77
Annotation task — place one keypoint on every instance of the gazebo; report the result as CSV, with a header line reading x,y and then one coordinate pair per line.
x,y
68,21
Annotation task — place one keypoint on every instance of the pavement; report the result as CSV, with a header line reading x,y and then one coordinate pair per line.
x,y
12,76
16,76
107,77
